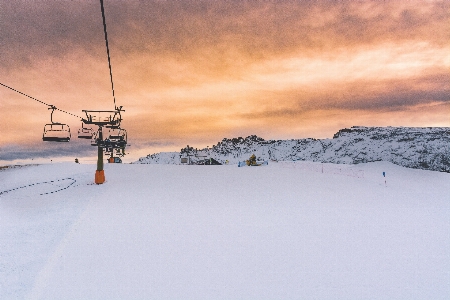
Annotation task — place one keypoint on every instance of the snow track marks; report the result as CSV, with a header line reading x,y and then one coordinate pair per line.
x,y
56,183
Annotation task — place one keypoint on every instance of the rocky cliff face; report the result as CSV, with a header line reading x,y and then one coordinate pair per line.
x,y
421,148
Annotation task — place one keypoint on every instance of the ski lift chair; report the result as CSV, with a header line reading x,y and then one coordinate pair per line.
x,y
120,151
118,136
94,139
56,132
85,133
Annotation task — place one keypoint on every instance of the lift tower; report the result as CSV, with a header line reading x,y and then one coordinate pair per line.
x,y
101,118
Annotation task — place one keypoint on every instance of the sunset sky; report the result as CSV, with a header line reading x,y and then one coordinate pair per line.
x,y
195,72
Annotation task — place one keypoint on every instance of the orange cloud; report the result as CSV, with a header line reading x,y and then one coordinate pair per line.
x,y
202,70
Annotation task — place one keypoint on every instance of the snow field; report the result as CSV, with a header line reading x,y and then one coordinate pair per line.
x,y
223,232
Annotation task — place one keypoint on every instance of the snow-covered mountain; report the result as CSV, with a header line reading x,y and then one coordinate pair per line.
x,y
425,148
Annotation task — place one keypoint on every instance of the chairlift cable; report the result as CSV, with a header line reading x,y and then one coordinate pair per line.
x,y
107,51
39,100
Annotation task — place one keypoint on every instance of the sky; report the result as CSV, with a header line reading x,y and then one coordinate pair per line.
x,y
195,72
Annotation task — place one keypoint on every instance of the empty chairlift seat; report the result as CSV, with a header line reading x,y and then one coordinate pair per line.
x,y
85,133
94,139
56,132
117,136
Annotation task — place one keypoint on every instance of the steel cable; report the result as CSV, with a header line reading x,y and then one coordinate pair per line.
x,y
107,51
39,100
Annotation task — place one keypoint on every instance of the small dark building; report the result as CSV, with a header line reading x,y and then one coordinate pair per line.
x,y
210,161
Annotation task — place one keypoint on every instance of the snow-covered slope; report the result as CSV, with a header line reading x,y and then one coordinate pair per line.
x,y
421,148
220,232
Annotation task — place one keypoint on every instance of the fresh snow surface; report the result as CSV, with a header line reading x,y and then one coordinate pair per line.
x,y
283,231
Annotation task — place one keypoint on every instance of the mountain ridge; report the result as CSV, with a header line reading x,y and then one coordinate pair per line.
x,y
426,148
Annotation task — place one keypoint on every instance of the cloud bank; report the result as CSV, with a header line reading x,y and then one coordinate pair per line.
x,y
198,71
